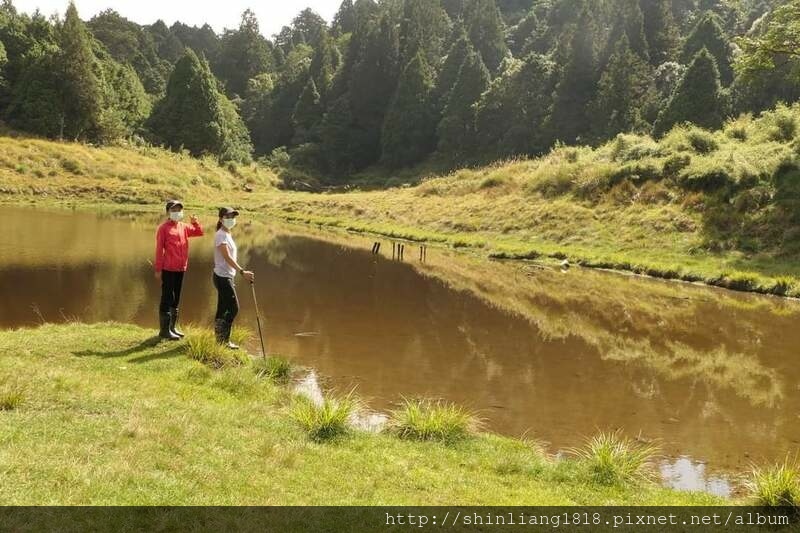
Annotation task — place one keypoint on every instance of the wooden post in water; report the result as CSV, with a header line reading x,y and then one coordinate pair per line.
x,y
394,247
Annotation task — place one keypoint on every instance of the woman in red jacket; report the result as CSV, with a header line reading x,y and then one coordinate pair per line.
x,y
172,260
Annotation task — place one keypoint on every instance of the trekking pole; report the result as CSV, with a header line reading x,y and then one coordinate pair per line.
x,y
258,320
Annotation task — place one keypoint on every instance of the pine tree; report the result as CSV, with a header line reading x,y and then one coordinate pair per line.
x,y
709,35
194,115
244,54
307,114
35,100
486,30
125,104
577,86
345,19
80,88
424,27
663,35
372,84
336,133
324,64
698,99
409,131
629,23
623,90
510,115
456,130
308,27
448,75
522,35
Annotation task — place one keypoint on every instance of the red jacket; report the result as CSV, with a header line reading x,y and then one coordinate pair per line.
x,y
172,245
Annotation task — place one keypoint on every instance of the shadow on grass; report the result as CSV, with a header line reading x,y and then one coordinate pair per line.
x,y
146,345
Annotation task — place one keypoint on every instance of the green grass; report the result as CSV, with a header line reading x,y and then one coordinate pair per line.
x,y
112,417
10,399
202,346
432,420
274,368
615,460
776,486
327,420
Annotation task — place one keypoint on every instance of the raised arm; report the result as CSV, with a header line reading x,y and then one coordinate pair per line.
x,y
194,229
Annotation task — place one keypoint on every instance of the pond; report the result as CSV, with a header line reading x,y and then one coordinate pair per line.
x,y
710,375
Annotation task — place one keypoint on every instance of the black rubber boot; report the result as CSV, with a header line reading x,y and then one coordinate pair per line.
x,y
173,321
219,331
164,329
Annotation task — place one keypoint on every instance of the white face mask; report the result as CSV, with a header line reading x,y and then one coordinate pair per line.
x,y
229,222
176,216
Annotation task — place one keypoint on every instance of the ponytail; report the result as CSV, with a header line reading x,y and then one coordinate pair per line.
x,y
219,224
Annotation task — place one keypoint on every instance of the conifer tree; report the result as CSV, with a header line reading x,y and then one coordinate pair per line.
x,y
324,63
521,35
307,114
486,30
194,115
244,54
663,35
709,34
622,92
345,19
629,23
510,115
424,28
577,86
371,86
448,75
409,131
80,87
698,99
456,130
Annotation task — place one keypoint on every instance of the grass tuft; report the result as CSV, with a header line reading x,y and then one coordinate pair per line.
x,y
241,335
776,486
201,345
432,421
616,460
274,368
326,421
10,399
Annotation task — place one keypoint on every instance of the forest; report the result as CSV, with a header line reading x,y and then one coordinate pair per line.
x,y
395,83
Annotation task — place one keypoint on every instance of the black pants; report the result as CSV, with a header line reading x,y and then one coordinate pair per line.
x,y
227,301
171,285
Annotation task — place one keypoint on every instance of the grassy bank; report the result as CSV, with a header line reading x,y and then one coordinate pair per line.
x,y
41,170
717,207
102,414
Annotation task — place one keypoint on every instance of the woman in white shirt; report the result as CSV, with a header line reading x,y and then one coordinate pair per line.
x,y
225,269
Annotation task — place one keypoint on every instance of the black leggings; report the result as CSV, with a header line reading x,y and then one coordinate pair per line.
x,y
171,285
227,301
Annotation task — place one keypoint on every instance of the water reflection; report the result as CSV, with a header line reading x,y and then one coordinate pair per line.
x,y
710,374
685,474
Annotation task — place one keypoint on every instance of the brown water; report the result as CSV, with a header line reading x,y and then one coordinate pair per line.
x,y
711,375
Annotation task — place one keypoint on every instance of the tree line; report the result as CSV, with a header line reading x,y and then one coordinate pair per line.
x,y
396,82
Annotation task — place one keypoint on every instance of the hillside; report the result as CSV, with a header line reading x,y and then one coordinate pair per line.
x,y
39,169
719,207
